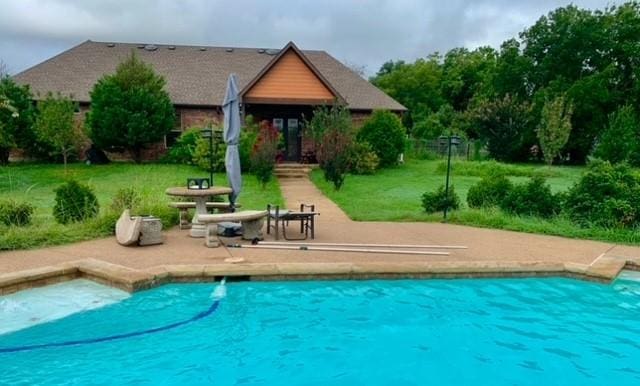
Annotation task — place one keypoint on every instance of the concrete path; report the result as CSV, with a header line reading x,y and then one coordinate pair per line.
x,y
490,252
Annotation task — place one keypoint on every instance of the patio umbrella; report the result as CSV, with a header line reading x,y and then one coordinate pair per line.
x,y
231,136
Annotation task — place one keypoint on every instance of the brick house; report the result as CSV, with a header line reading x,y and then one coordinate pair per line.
x,y
279,85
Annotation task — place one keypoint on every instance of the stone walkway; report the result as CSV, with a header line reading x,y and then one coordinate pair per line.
x,y
181,258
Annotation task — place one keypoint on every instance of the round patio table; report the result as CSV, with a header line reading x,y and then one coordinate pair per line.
x,y
200,197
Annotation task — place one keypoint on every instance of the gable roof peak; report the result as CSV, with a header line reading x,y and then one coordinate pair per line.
x,y
291,46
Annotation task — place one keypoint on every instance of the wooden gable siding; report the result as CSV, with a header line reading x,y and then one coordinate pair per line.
x,y
289,79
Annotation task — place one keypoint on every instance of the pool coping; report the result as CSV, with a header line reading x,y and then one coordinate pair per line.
x,y
604,269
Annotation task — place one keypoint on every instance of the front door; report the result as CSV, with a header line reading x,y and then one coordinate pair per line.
x,y
291,133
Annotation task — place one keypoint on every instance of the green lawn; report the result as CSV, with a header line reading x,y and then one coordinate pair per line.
x,y
394,195
35,183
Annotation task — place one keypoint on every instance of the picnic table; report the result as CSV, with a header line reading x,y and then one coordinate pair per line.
x,y
200,197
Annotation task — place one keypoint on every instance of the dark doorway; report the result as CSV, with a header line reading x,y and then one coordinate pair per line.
x,y
289,120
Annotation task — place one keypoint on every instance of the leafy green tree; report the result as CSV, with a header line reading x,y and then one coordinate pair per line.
x,y
464,73
383,130
130,109
554,127
56,125
511,73
16,119
505,125
619,142
416,85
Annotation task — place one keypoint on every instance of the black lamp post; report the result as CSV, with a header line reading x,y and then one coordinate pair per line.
x,y
208,134
451,140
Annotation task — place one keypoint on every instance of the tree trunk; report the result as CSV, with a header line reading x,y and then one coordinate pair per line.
x,y
64,161
136,154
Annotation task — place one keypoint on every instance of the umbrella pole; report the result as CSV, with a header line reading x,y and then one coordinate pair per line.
x,y
337,249
364,245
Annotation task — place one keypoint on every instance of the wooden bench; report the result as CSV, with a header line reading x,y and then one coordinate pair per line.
x,y
251,220
184,206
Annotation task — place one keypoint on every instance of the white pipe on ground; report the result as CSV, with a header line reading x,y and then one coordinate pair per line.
x,y
363,245
331,249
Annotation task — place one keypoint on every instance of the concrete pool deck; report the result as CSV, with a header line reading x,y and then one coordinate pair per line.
x,y
490,253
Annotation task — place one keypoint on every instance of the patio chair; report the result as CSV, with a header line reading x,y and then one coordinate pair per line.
x,y
281,219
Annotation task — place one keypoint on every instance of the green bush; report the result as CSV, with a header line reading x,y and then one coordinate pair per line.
x,y
533,198
364,159
248,138
15,213
183,150
201,155
618,142
126,198
437,201
386,135
490,191
74,202
606,195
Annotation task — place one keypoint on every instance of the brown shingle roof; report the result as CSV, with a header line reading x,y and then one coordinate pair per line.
x,y
195,75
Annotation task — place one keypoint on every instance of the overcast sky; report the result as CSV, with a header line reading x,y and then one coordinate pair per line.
x,y
365,33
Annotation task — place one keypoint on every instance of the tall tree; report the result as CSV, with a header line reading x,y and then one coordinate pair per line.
x,y
57,126
415,85
16,119
505,125
554,127
130,109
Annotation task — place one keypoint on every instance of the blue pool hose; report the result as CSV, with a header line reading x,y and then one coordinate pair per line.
x,y
203,314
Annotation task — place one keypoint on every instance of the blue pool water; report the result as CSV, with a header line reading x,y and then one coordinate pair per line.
x,y
432,332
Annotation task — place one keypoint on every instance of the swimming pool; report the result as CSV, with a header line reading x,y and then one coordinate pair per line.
x,y
444,332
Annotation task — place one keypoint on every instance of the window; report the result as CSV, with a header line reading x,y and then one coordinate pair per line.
x,y
278,123
171,138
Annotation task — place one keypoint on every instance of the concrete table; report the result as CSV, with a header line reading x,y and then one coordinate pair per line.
x,y
200,197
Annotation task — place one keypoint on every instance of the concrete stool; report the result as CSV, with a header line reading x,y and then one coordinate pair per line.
x,y
251,220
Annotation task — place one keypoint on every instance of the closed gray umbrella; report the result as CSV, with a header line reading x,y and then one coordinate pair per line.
x,y
231,136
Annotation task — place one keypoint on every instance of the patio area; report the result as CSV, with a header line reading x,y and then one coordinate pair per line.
x,y
182,258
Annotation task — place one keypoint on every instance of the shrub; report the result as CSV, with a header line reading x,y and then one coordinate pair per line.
x,y
334,155
201,155
74,202
248,138
386,135
183,151
15,213
618,142
606,195
364,159
263,156
130,109
333,137
126,198
437,201
490,191
533,198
